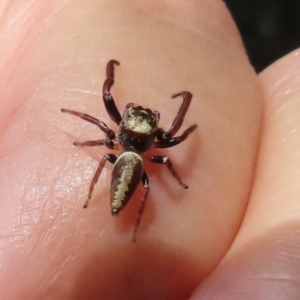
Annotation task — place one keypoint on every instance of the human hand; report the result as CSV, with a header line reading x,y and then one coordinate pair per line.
x,y
53,56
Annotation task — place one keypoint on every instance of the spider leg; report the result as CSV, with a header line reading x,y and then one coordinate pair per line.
x,y
164,160
106,142
175,140
166,135
110,133
145,181
108,157
108,99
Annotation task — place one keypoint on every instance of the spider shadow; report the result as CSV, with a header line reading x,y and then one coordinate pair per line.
x,y
163,176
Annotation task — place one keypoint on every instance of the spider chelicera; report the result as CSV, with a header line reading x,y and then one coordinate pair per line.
x,y
138,132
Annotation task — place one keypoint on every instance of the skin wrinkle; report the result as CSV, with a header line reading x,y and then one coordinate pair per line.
x,y
30,218
290,79
55,273
206,38
216,23
56,10
257,269
287,255
277,279
23,41
84,92
26,28
281,104
3,8
290,92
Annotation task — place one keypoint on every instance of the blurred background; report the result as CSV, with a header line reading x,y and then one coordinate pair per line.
x,y
270,28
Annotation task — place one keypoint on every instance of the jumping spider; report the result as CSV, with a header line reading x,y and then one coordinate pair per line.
x,y
138,132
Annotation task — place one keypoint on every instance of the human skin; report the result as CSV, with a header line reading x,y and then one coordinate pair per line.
x,y
234,233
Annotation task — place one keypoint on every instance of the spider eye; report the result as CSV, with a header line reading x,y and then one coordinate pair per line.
x,y
132,113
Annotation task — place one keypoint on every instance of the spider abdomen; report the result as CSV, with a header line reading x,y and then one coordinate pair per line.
x,y
126,175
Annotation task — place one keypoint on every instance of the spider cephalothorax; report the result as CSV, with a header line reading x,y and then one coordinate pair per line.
x,y
138,132
137,128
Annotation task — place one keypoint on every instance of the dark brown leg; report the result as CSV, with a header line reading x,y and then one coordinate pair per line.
x,y
166,161
175,140
106,142
110,133
108,157
109,102
166,135
145,181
